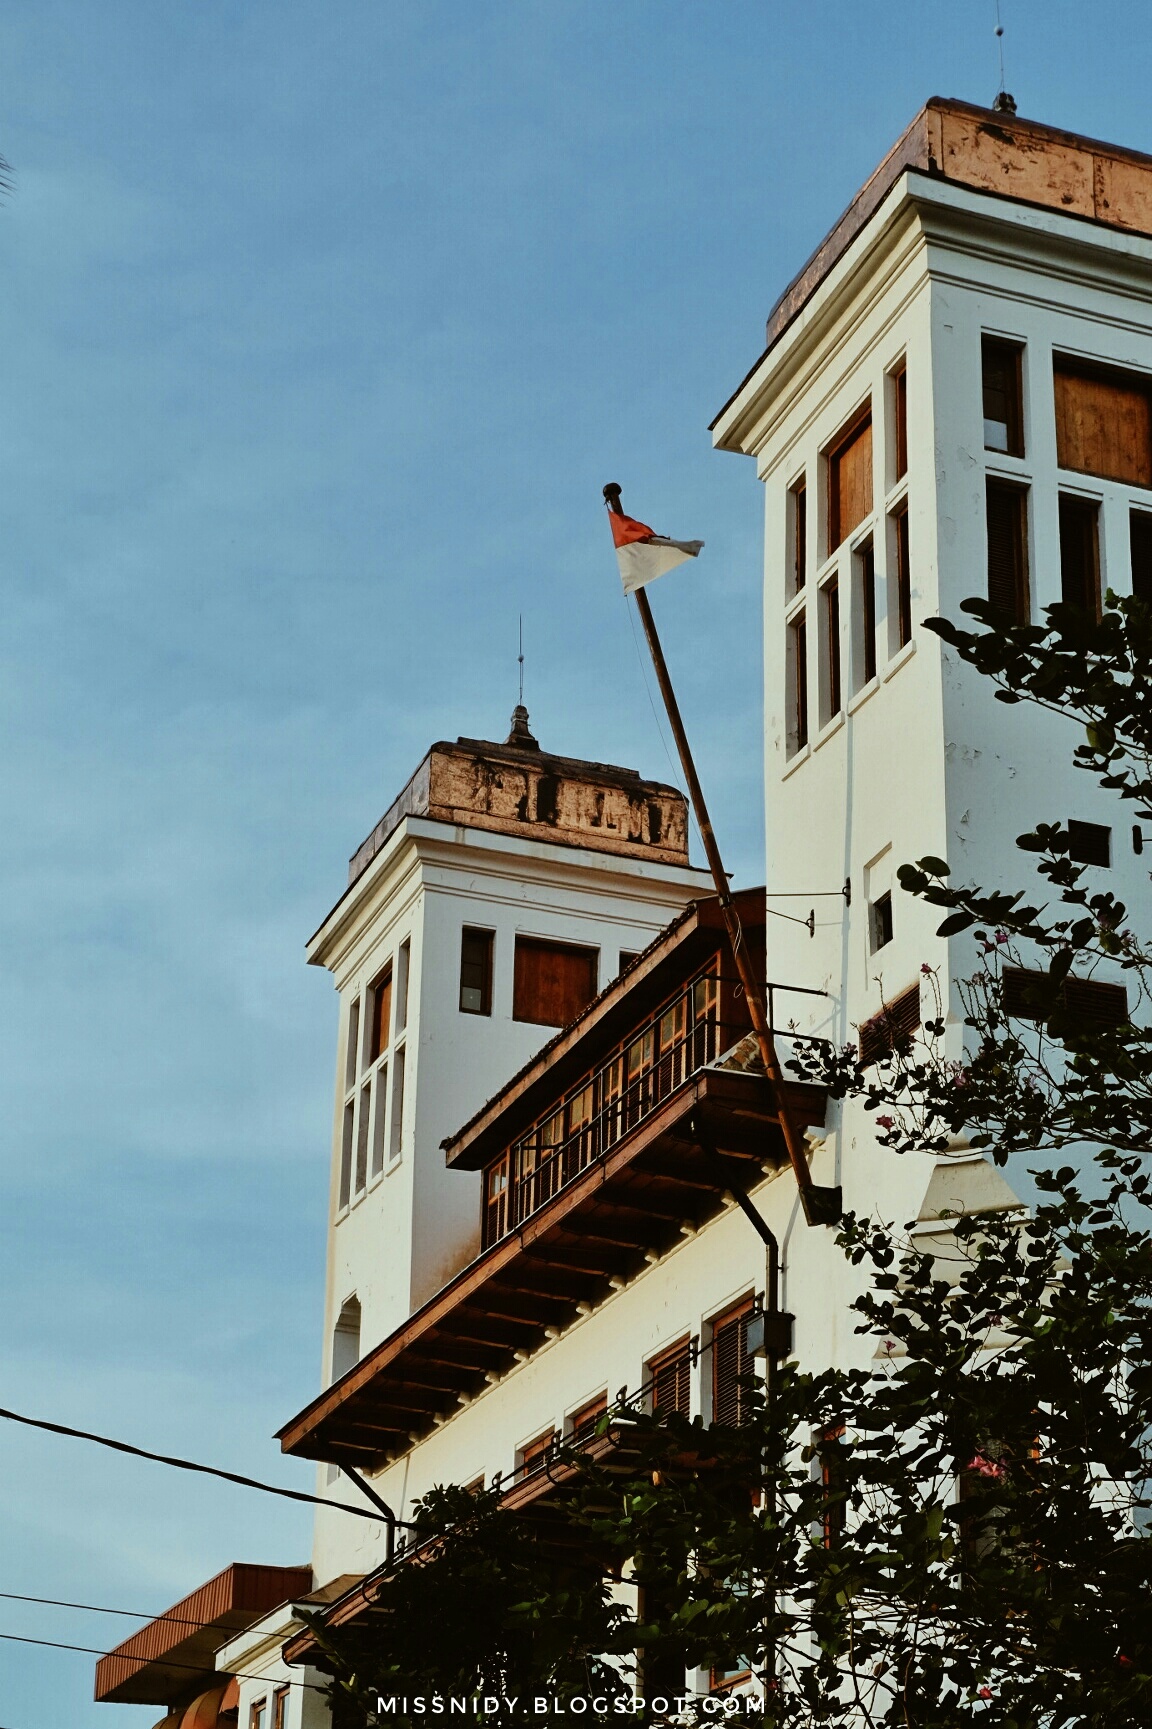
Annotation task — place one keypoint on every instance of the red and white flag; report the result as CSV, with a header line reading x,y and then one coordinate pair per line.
x,y
642,555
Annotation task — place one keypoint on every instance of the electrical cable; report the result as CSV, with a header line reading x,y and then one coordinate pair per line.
x,y
99,1609
190,1465
169,1662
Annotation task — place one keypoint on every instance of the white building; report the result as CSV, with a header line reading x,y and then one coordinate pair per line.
x,y
955,399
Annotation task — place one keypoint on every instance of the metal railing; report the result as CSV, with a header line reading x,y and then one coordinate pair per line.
x,y
654,1061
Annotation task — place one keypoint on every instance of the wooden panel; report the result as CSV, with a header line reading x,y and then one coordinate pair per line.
x,y
381,1015
1094,1002
900,417
849,482
1104,423
553,982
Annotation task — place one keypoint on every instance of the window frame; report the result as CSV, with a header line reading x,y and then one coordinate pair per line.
x,y
487,965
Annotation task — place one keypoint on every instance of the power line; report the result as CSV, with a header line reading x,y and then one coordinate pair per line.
x,y
190,1465
99,1609
169,1663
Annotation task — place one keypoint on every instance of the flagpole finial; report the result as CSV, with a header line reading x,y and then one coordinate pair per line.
x,y
612,498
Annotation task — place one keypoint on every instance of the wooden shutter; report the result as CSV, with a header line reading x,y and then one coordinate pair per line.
x,y
1080,553
830,605
553,982
536,1454
1103,422
849,481
1093,1002
867,579
798,646
381,1000
671,1376
897,1020
584,1420
731,1362
1007,550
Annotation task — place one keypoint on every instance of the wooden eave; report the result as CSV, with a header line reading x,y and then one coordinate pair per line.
x,y
668,962
595,1233
173,1657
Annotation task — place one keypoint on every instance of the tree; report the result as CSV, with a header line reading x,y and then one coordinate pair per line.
x,y
957,1531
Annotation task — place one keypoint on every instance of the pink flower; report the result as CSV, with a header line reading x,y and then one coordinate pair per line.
x,y
1001,936
926,969
985,1467
885,1122
984,1693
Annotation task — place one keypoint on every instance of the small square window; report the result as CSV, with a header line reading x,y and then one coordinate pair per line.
x,y
880,914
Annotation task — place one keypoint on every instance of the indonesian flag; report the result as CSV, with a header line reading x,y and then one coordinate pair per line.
x,y
642,555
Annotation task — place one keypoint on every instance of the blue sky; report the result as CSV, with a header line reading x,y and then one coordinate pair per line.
x,y
323,326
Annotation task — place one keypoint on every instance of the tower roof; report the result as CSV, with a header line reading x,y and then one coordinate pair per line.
x,y
987,150
517,788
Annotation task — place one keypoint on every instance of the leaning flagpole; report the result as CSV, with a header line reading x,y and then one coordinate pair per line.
x,y
822,1206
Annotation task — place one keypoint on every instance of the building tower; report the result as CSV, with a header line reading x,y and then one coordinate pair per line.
x,y
544,1100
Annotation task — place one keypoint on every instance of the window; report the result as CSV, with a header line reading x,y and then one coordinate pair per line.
x,y
797,675
850,480
403,967
352,1053
627,956
900,422
830,1452
732,1363
584,1421
364,1116
830,650
1103,421
670,1375
396,1127
897,1021
280,1708
864,617
476,971
901,612
536,1454
799,502
1003,396
380,1000
1091,843
258,1714
553,982
346,1338
1140,536
880,922
1093,1002
347,1140
1080,553
1008,550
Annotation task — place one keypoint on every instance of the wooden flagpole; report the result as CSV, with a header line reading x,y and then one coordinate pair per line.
x,y
822,1206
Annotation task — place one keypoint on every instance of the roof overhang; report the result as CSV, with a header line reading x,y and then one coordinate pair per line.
x,y
174,1656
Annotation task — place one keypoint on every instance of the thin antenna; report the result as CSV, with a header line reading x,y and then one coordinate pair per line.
x,y
1004,103
520,658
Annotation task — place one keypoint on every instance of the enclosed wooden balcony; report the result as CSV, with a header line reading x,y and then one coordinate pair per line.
x,y
629,1130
